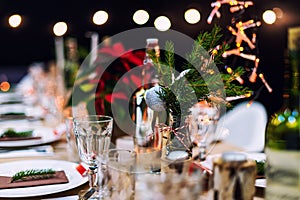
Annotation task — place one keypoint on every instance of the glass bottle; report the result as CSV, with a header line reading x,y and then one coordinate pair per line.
x,y
283,133
147,139
71,63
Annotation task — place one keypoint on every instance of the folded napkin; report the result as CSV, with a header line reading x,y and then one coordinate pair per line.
x,y
44,150
59,178
20,138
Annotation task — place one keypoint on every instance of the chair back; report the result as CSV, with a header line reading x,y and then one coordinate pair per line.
x,y
245,126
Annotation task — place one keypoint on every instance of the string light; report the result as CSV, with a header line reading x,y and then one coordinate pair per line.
x,y
253,75
253,38
238,97
240,34
235,5
237,77
261,76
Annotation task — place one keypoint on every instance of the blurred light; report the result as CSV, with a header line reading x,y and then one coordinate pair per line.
x,y
295,113
162,23
60,28
140,17
192,16
281,118
229,70
291,119
4,86
269,17
100,17
15,20
278,12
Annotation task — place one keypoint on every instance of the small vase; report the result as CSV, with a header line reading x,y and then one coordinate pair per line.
x,y
179,144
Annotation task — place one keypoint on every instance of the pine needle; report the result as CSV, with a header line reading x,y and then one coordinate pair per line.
x,y
203,78
10,132
33,174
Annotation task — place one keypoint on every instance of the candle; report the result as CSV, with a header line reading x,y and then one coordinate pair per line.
x,y
94,44
59,50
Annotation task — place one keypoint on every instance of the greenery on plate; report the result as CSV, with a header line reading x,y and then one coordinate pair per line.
x,y
33,174
14,113
10,132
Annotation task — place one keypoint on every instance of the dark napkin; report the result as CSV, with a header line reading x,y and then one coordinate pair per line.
x,y
19,138
59,177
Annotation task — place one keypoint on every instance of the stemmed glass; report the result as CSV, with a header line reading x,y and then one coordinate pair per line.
x,y
93,136
202,125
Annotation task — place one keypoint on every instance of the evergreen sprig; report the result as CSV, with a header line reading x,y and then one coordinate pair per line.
x,y
10,132
33,174
201,78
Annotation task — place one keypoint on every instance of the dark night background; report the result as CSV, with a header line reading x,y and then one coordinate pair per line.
x,y
34,40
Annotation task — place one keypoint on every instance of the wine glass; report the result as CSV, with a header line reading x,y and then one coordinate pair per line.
x,y
93,136
202,125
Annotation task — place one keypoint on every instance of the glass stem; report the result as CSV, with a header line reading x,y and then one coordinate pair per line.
x,y
202,151
103,180
92,174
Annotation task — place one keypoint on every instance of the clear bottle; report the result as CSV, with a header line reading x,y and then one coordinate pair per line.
x,y
283,134
71,63
143,116
147,139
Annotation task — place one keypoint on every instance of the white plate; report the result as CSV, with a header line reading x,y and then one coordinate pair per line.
x,y
46,133
12,108
22,109
10,97
8,169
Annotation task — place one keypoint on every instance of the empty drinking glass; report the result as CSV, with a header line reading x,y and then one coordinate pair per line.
x,y
93,136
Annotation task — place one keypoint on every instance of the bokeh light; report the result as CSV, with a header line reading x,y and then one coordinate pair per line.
x,y
100,17
278,12
4,86
140,17
192,16
15,20
269,17
162,23
60,28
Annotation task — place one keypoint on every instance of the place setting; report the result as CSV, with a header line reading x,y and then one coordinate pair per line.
x,y
38,177
26,135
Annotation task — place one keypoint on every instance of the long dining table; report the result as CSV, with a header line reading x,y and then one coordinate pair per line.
x,y
61,153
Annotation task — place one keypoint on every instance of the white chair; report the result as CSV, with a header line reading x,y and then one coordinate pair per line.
x,y
244,126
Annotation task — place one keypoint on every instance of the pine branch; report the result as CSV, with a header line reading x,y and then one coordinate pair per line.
x,y
33,174
201,79
10,132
